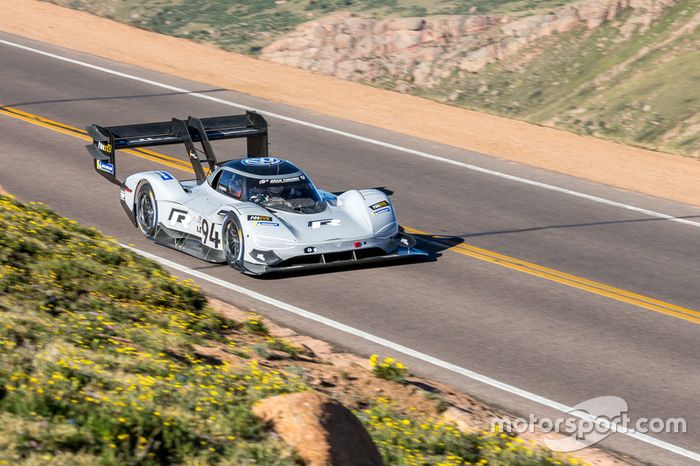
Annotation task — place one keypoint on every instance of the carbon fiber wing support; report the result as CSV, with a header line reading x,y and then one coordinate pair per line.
x,y
107,140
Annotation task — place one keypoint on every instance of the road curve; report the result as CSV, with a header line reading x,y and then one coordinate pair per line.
x,y
548,337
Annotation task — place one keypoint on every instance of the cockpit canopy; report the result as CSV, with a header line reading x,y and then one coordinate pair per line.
x,y
270,182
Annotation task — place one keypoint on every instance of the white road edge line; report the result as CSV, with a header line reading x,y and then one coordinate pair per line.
x,y
415,354
375,142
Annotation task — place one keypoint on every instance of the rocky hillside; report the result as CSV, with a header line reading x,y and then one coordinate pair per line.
x,y
248,25
421,52
622,69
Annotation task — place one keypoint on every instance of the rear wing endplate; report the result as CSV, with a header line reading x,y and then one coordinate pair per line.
x,y
107,140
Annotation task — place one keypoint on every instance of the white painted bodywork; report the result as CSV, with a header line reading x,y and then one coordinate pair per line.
x,y
199,211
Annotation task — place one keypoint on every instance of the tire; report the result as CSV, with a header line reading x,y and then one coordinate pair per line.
x,y
233,242
146,210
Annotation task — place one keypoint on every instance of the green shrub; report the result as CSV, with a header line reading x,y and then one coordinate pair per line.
x,y
256,326
388,369
408,441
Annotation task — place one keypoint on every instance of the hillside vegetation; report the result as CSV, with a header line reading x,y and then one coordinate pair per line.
x,y
107,359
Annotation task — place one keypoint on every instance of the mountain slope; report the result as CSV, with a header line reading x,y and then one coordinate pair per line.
x,y
624,70
639,87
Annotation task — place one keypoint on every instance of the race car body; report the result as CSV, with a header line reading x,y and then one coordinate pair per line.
x,y
259,214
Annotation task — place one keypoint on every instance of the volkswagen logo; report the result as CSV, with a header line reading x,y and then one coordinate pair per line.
x,y
261,161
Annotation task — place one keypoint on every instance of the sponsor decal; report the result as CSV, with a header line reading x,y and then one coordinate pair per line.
x,y
333,222
258,161
105,166
104,147
310,250
165,176
267,224
379,205
266,257
293,179
162,139
179,216
286,180
122,194
382,210
259,218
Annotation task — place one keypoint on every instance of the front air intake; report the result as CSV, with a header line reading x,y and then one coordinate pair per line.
x,y
332,257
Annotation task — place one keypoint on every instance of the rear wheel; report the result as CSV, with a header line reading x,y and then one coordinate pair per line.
x,y
234,244
146,210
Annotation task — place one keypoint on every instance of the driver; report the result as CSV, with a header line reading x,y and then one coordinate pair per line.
x,y
235,187
261,194
268,193
275,191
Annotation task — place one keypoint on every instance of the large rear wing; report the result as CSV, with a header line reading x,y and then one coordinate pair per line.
x,y
107,140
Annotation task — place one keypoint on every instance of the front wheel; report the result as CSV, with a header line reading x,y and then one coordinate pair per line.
x,y
234,244
146,210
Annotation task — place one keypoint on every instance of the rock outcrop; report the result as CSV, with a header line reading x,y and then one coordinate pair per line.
x,y
421,52
321,431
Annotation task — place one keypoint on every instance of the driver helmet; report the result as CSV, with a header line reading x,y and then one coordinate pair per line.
x,y
235,187
275,191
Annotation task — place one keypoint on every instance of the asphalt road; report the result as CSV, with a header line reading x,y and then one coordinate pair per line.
x,y
557,341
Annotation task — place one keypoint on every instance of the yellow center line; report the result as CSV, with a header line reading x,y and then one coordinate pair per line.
x,y
475,252
564,278
82,134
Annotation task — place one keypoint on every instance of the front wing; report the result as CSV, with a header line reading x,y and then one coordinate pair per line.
x,y
332,254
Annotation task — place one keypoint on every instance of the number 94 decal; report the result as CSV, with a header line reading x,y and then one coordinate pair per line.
x,y
211,233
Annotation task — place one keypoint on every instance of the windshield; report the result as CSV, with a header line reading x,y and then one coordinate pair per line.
x,y
293,194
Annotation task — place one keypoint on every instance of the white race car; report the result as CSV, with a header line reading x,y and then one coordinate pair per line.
x,y
259,214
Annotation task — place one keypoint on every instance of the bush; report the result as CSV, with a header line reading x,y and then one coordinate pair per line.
x,y
388,369
408,441
256,326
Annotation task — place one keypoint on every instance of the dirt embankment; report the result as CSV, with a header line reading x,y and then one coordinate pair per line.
x,y
601,161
